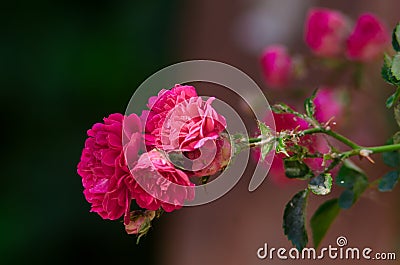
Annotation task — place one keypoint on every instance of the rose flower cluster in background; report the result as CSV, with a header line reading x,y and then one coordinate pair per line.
x,y
329,34
335,42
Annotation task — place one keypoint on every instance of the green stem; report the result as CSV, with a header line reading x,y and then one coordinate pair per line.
x,y
356,149
254,140
384,148
333,134
373,150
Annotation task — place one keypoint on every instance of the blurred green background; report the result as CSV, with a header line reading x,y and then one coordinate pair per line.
x,y
64,66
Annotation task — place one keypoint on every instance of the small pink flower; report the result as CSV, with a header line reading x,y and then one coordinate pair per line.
x,y
368,39
159,184
213,157
287,121
190,124
327,105
277,66
103,167
326,31
159,107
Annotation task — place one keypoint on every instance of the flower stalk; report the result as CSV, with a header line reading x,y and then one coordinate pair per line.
x,y
356,149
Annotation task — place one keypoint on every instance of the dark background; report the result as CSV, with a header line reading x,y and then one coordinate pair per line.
x,y
64,65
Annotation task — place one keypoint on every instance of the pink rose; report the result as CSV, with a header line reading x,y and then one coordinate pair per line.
x,y
368,39
159,184
211,158
277,66
190,124
326,31
103,167
327,105
159,107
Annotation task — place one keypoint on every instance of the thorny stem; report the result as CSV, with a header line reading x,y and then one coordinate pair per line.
x,y
356,149
333,134
373,150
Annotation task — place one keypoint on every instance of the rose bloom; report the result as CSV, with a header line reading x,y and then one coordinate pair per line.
x,y
191,124
103,167
277,66
368,39
159,107
326,31
328,105
158,183
180,121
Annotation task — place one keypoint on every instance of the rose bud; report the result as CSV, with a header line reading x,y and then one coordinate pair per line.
x,y
328,105
326,31
277,66
368,39
139,222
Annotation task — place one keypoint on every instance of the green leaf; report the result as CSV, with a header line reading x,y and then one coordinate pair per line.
x,y
395,69
294,220
387,72
179,160
354,180
296,169
393,99
204,179
388,181
282,108
396,138
396,38
264,129
397,114
386,69
322,220
309,105
346,199
321,184
392,159
281,146
238,142
265,132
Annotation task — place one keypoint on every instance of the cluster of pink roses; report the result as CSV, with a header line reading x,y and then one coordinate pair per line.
x,y
126,158
328,33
